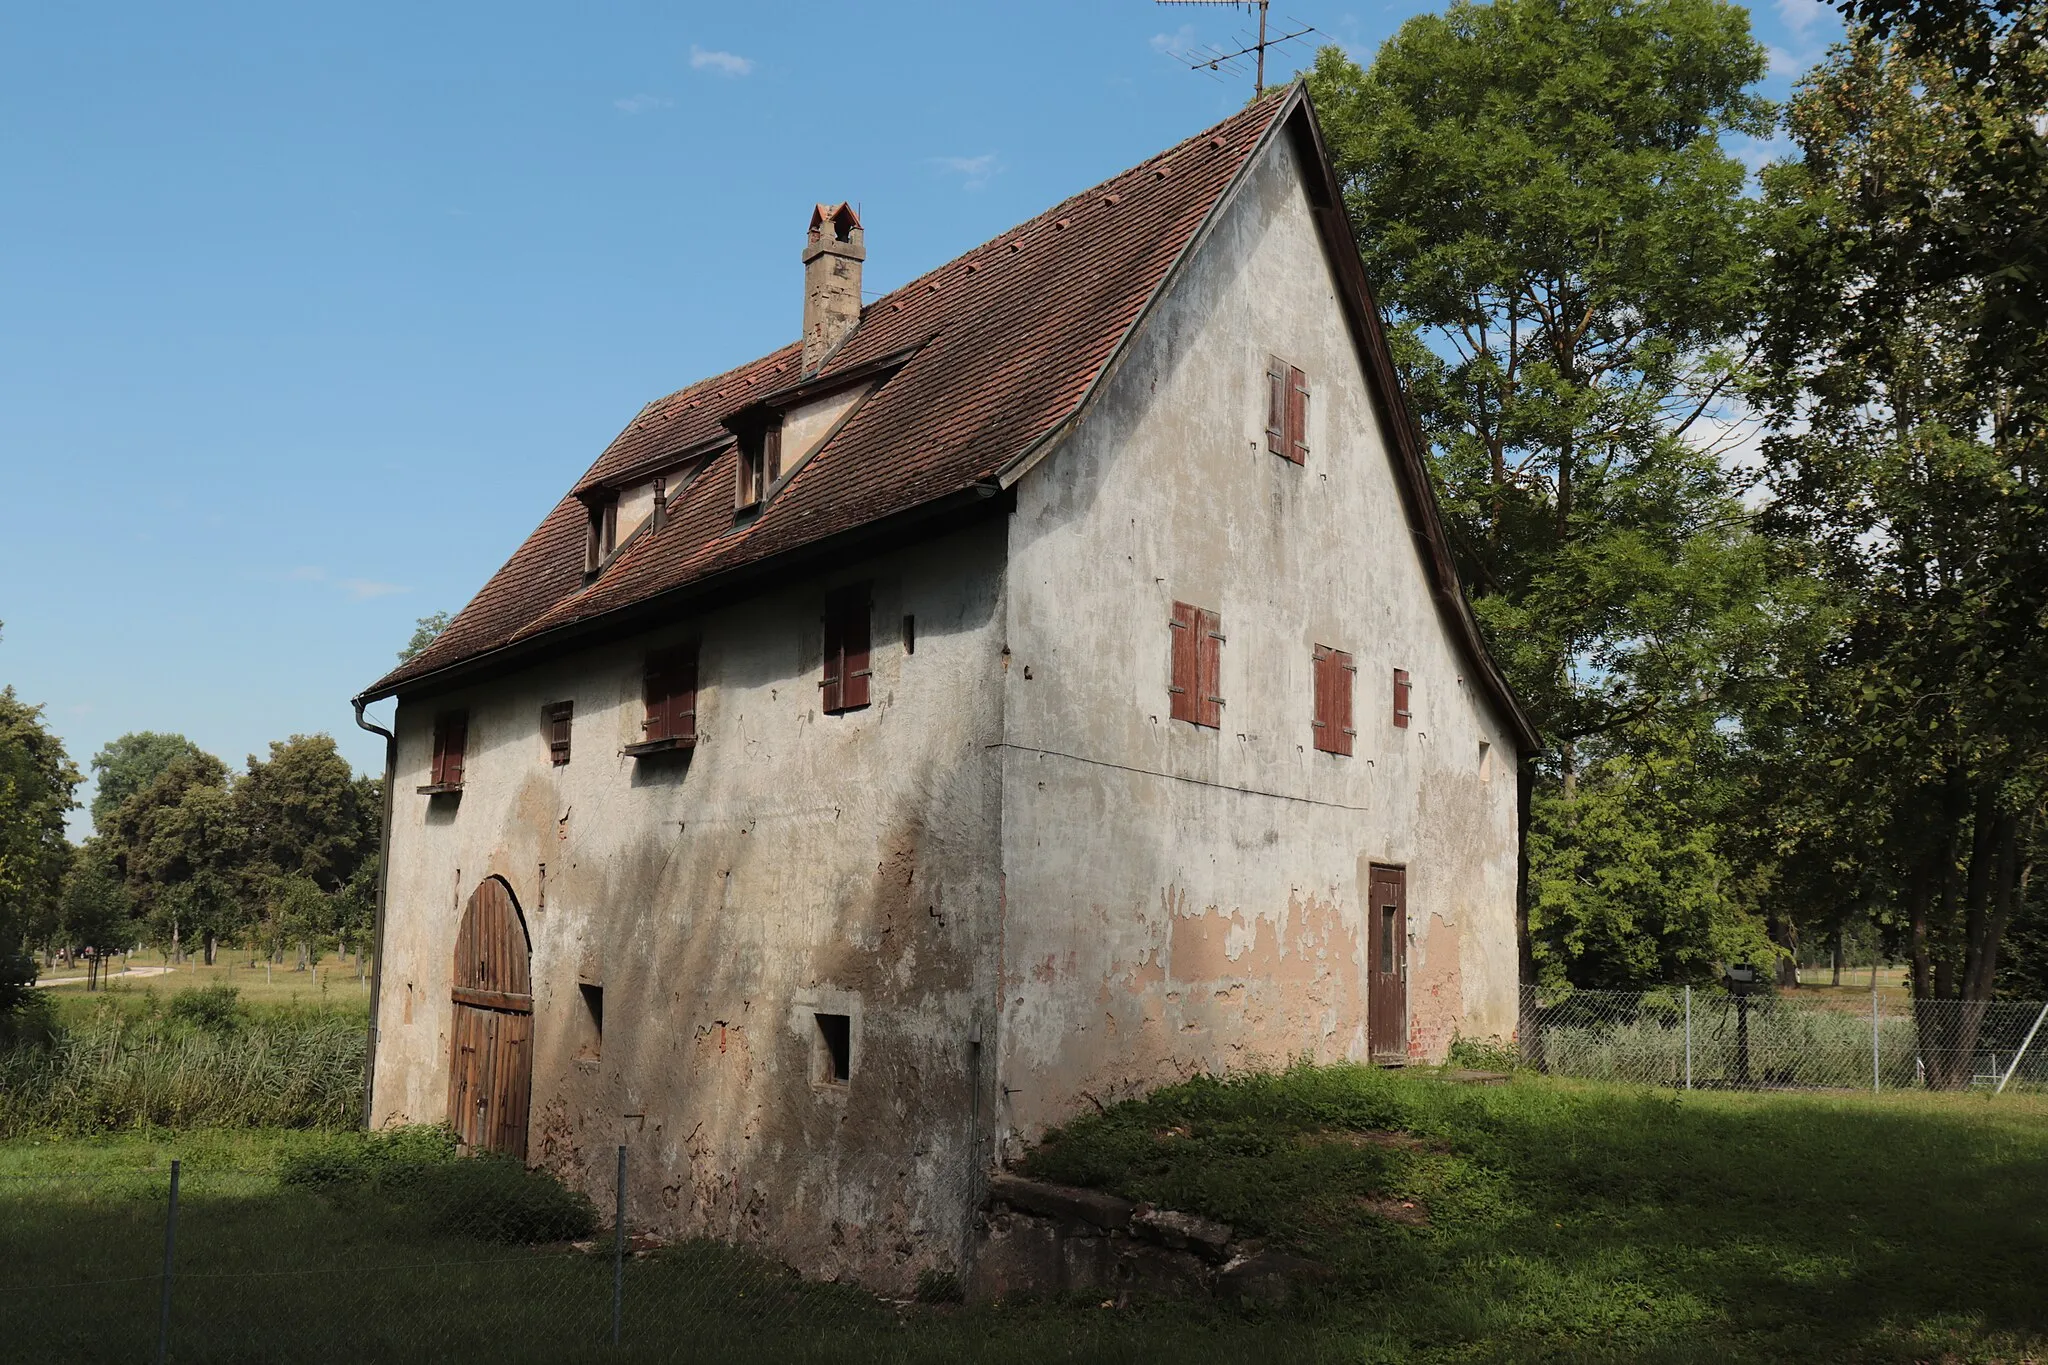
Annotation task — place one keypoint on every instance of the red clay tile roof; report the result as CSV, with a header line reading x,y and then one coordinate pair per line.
x,y
1003,345
1010,336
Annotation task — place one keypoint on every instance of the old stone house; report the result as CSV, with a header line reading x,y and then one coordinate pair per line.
x,y
1046,681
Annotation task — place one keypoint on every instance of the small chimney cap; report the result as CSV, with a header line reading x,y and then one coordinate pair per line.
x,y
845,222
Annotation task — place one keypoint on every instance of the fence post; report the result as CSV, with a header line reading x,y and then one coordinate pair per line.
x,y
2025,1043
1688,1037
163,1314
1876,1076
619,1250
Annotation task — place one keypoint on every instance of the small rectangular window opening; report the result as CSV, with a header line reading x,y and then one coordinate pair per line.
x,y
591,1042
604,533
559,716
910,635
1401,694
1388,916
1485,761
835,1048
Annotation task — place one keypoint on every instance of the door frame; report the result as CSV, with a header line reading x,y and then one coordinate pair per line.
x,y
1386,940
491,1018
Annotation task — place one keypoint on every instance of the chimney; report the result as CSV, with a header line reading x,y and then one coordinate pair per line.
x,y
832,258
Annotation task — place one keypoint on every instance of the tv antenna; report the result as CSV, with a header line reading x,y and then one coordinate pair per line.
x,y
1215,60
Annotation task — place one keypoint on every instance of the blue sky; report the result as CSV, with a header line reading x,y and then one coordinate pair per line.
x,y
308,313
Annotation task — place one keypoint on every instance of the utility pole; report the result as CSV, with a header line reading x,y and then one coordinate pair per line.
x,y
1216,60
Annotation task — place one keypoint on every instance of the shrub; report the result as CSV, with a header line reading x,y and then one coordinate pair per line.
x,y
1482,1054
215,1008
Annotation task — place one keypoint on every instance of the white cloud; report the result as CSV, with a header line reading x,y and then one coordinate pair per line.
x,y
1801,15
356,589
1179,44
1785,64
974,171
640,104
724,63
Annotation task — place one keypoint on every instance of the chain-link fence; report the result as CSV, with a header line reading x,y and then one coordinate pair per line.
x,y
1696,1038
325,1255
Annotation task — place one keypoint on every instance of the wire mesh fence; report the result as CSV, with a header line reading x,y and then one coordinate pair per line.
x,y
328,1258
1696,1038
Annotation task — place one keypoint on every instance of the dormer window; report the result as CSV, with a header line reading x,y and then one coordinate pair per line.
x,y
604,533
760,463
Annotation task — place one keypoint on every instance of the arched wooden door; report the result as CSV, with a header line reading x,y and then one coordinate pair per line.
x,y
490,1060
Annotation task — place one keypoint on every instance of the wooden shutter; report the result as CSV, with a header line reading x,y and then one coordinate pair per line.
x,y
1183,681
1297,416
1400,698
829,691
451,739
1277,405
771,456
672,694
845,685
1333,677
1209,658
1320,724
559,717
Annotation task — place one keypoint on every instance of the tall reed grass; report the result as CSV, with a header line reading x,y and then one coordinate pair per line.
x,y
115,1071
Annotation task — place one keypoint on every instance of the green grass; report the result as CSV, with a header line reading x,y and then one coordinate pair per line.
x,y
1565,1222
331,984
196,1058
1580,1222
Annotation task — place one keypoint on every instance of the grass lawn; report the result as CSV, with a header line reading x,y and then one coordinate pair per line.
x,y
330,985
1545,1221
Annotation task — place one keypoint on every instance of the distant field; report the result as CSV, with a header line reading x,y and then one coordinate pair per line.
x,y
332,984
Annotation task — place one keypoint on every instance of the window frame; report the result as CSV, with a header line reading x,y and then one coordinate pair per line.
x,y
558,718
449,765
846,672
668,678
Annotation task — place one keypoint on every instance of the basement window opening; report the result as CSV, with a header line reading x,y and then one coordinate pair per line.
x,y
835,1048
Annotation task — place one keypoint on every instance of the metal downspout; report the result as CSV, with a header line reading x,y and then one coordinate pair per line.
x,y
377,925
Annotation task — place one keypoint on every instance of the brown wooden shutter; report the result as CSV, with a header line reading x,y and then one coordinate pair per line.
x,y
771,455
855,629
845,684
1183,681
1343,673
1297,416
1320,725
1401,698
451,738
559,717
835,658
1276,405
671,694
1209,660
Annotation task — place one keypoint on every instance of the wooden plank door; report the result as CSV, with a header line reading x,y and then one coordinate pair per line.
x,y
1386,996
490,1036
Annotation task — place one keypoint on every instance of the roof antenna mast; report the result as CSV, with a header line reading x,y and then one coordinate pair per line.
x,y
1216,60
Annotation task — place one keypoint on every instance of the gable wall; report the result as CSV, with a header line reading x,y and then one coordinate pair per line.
x,y
796,862
1182,899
